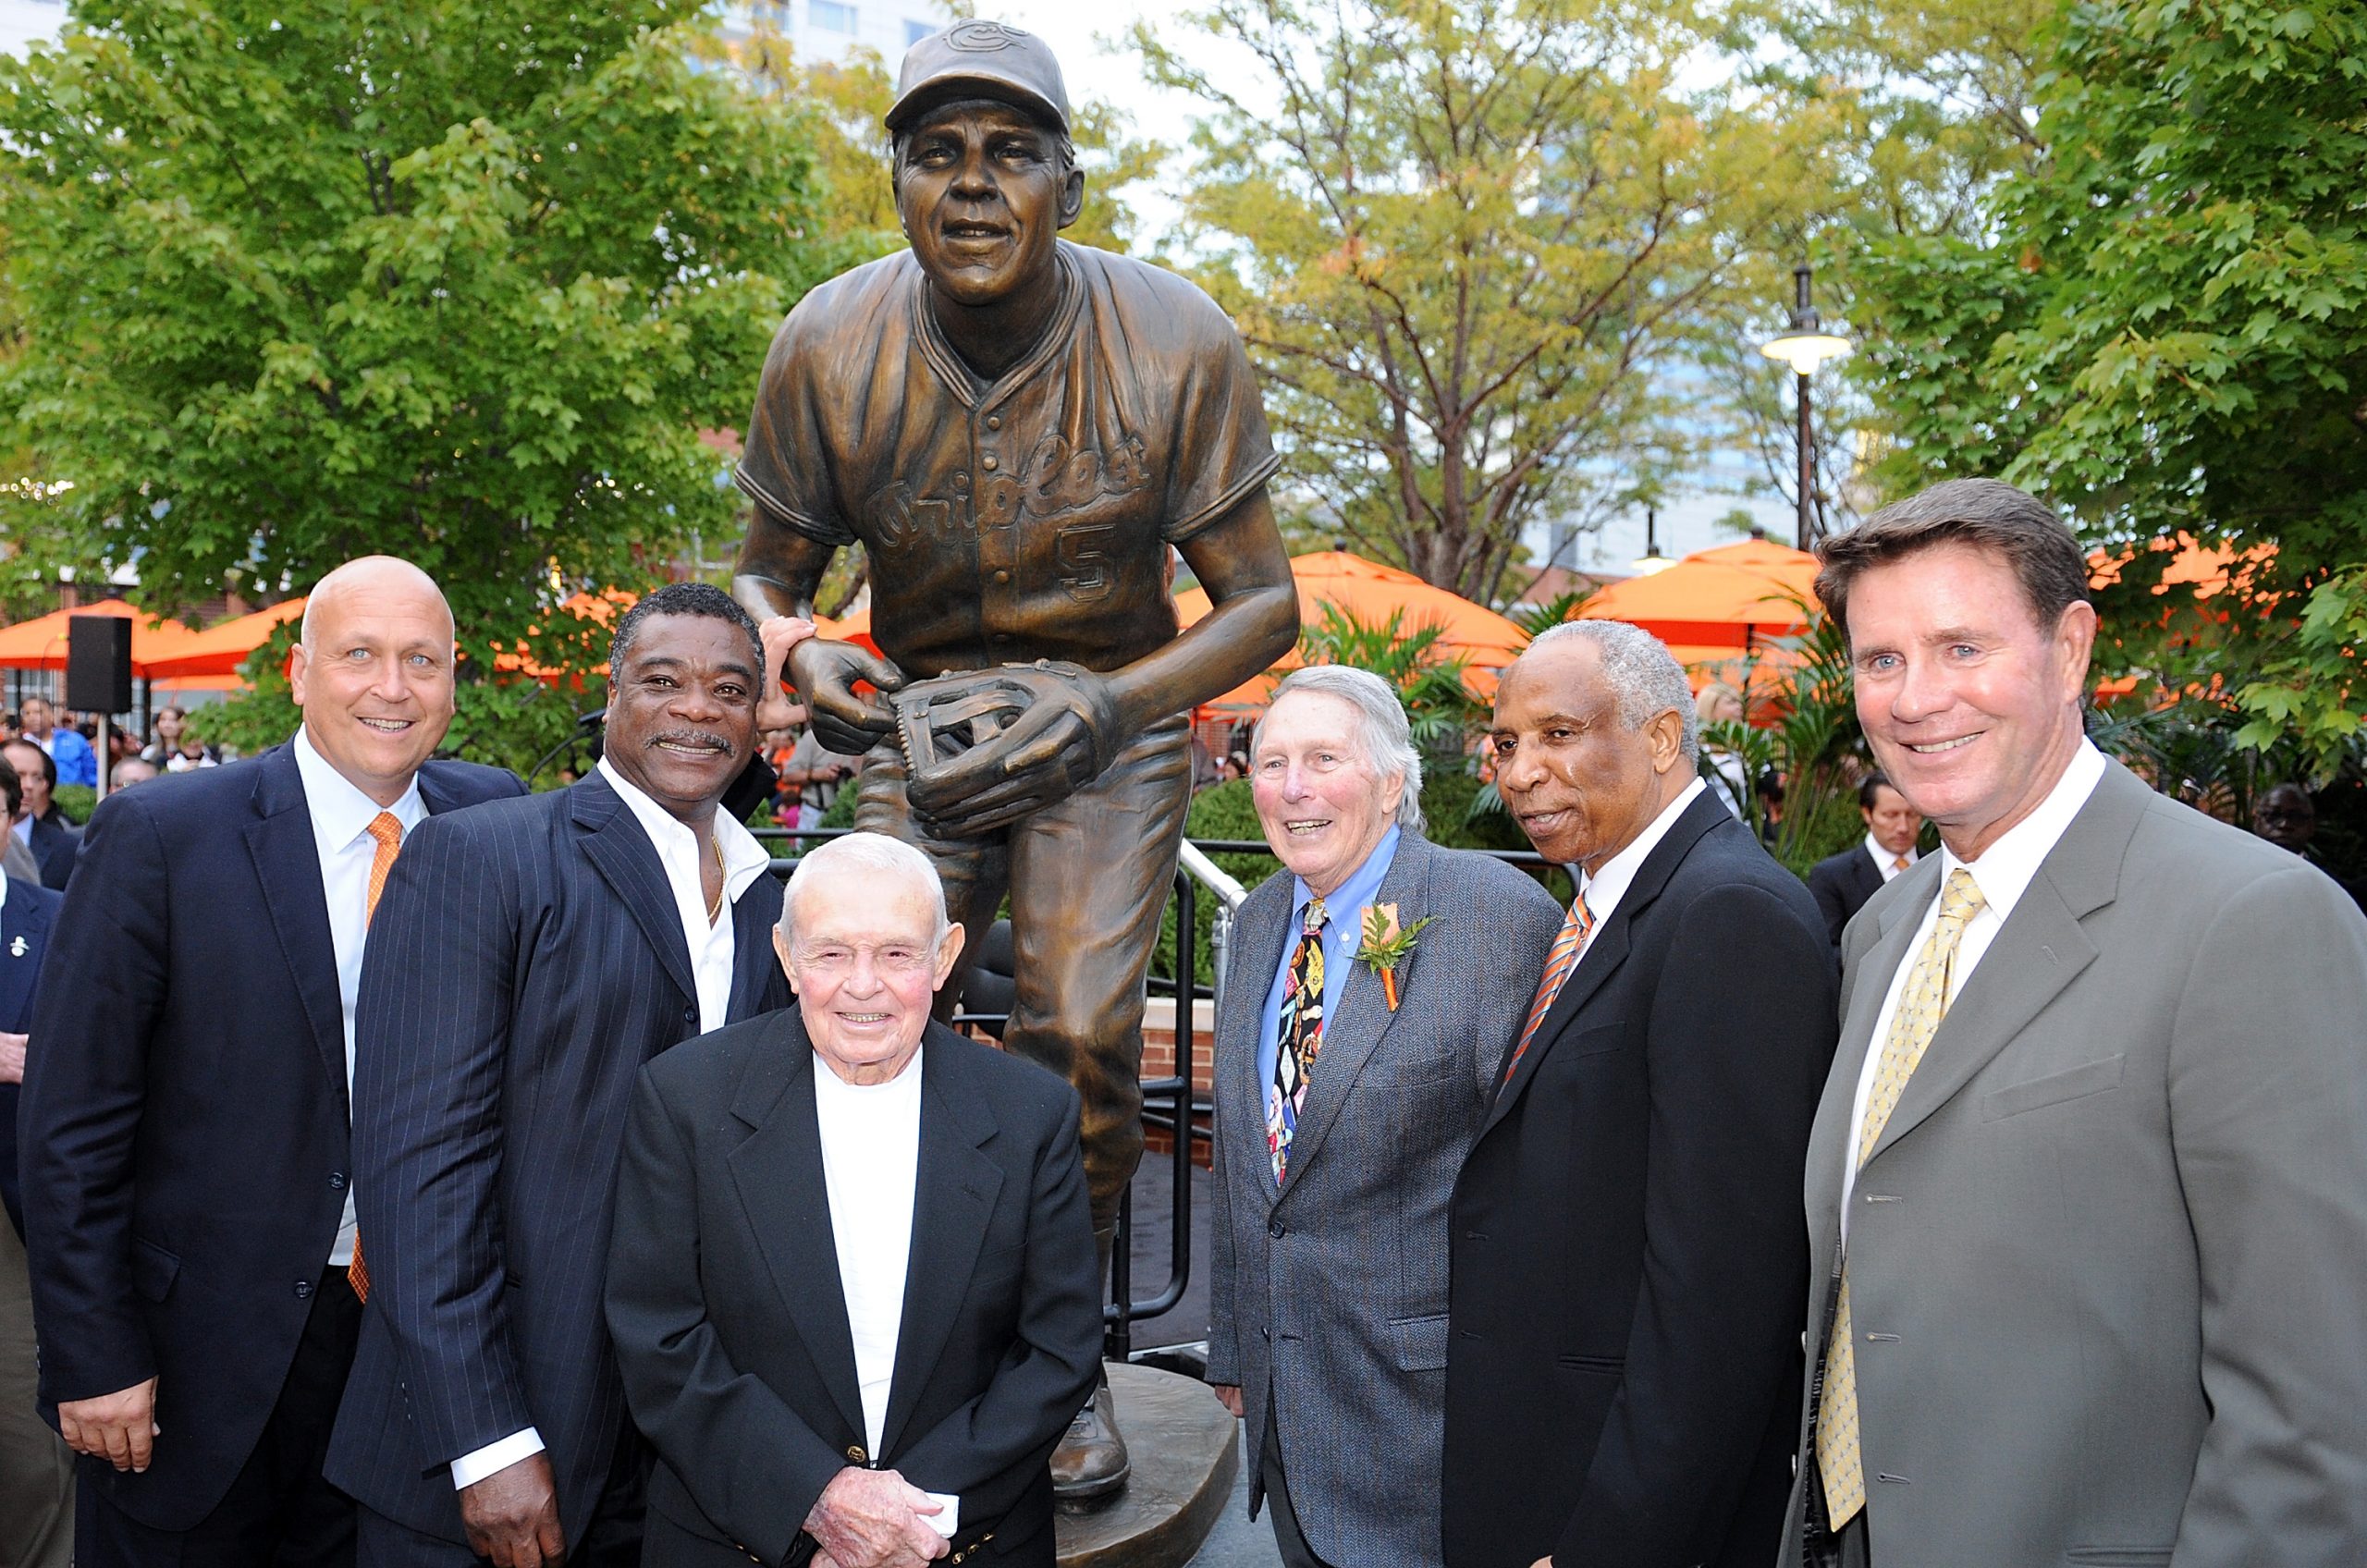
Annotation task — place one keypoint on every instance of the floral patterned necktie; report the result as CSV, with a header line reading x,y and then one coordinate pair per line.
x,y
1299,1039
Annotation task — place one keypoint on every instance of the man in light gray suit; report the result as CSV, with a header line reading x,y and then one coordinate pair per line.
x,y
2087,1194
1357,1047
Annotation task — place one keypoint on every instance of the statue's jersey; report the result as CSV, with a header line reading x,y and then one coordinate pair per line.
x,y
1022,520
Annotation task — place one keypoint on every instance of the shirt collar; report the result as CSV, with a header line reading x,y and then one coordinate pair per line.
x,y
1355,892
2005,869
743,858
1882,857
1606,887
340,811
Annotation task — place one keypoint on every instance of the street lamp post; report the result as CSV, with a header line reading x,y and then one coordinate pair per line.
x,y
1807,346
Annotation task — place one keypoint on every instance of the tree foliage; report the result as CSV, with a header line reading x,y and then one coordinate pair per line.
x,y
460,280
1457,237
2162,327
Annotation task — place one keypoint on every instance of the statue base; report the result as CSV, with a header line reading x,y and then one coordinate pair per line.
x,y
1185,1446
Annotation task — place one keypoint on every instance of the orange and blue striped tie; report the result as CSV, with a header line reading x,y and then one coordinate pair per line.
x,y
389,830
1561,958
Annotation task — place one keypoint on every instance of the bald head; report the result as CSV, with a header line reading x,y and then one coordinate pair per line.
x,y
370,578
374,672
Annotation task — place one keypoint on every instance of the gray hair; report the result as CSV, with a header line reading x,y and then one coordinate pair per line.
x,y
1642,671
866,851
1387,738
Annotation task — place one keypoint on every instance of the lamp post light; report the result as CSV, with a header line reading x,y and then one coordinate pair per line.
x,y
1807,346
1651,560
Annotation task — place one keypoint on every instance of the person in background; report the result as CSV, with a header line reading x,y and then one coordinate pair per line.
x,y
1347,1091
128,771
1721,704
36,1468
11,727
2287,817
188,1183
77,764
818,773
16,855
1843,883
164,735
40,824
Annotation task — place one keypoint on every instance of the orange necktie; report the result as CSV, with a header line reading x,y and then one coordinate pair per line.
x,y
1561,958
1900,864
389,834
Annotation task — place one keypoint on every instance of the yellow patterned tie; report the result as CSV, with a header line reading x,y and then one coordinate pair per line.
x,y
1561,958
1922,1004
388,829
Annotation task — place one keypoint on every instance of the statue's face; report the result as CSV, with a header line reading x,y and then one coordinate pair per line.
x,y
983,196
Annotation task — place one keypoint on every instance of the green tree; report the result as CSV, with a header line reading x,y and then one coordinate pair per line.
x,y
1456,233
461,280
2163,327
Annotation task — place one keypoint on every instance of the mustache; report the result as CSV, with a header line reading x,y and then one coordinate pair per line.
x,y
687,738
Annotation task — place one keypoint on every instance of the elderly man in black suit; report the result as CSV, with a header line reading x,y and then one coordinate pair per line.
x,y
1622,1380
39,825
528,958
1843,883
186,1163
852,1284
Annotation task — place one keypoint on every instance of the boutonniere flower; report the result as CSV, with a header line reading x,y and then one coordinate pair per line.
x,y
1386,945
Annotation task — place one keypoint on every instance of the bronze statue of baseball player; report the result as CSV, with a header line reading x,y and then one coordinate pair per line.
x,y
1017,429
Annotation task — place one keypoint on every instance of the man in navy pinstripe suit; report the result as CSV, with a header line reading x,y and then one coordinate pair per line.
x,y
526,961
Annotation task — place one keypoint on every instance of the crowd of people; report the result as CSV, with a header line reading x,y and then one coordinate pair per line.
x,y
411,1169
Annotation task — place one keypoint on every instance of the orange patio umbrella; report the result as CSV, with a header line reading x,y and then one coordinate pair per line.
x,y
1735,597
221,648
1372,593
40,643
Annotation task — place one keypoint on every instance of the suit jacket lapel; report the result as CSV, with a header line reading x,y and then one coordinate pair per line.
x,y
1255,951
754,966
619,849
21,920
953,1196
287,865
2036,953
1351,1036
1607,948
778,1173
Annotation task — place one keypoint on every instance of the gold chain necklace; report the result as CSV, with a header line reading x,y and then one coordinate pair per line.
x,y
715,904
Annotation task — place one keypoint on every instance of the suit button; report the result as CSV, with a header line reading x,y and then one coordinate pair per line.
x,y
854,1453
337,1181
1274,1228
691,1013
303,1290
1266,1334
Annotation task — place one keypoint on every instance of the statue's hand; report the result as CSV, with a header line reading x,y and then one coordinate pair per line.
x,y
1065,736
779,634
825,673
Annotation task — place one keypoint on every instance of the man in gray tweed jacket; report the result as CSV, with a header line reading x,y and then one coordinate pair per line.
x,y
1352,1070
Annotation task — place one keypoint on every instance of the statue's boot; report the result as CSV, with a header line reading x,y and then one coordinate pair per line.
x,y
1091,1462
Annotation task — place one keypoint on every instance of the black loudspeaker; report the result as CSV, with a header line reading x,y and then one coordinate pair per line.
x,y
98,663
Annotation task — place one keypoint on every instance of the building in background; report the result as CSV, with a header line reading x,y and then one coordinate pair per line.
x,y
826,30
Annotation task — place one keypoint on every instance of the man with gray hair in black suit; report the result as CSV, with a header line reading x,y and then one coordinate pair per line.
x,y
1376,983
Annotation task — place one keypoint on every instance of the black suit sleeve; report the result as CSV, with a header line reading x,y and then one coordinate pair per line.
x,y
751,1463
1832,897
431,1041
988,1450
1733,1074
86,1072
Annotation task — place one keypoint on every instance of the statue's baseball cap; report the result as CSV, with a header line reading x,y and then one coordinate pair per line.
x,y
980,60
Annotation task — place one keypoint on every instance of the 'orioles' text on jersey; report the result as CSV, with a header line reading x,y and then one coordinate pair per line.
x,y
1026,518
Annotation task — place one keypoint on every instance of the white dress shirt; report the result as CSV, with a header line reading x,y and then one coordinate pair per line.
x,y
683,853
1887,862
713,946
871,1151
2003,874
871,1158
1603,890
341,816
